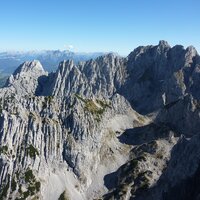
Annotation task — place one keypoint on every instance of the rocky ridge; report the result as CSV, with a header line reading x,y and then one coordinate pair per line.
x,y
110,128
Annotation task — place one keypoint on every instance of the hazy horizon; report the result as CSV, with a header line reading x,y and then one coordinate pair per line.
x,y
84,52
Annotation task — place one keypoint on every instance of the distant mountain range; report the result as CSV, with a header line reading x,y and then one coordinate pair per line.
x,y
50,59
3,79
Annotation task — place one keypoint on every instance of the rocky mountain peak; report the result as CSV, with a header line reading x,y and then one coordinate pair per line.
x,y
31,66
192,50
65,65
107,128
191,53
149,52
25,78
163,43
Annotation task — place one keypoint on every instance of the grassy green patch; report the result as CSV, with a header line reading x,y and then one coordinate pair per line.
x,y
4,191
63,196
134,163
13,185
33,186
4,150
29,177
37,186
96,108
32,151
91,107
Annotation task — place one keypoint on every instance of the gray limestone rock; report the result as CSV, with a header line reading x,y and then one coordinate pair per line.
x,y
111,127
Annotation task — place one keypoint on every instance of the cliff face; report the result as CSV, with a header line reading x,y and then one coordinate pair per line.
x,y
110,127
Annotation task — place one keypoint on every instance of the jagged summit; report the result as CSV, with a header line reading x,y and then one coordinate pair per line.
x,y
192,51
163,43
24,80
110,128
33,66
65,64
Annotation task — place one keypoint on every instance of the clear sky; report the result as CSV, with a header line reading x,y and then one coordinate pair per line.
x,y
97,25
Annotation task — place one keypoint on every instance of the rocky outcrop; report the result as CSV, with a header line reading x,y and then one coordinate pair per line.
x,y
109,127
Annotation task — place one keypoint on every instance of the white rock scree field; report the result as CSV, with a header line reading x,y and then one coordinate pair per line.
x,y
107,128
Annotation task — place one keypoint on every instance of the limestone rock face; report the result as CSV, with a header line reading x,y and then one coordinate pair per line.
x,y
25,78
111,128
159,71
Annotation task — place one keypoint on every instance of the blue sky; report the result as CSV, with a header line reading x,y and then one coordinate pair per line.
x,y
97,25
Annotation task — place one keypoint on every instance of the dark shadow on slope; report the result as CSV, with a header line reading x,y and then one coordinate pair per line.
x,y
44,85
183,114
144,134
152,74
138,136
187,189
184,189
110,180
42,80
149,98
